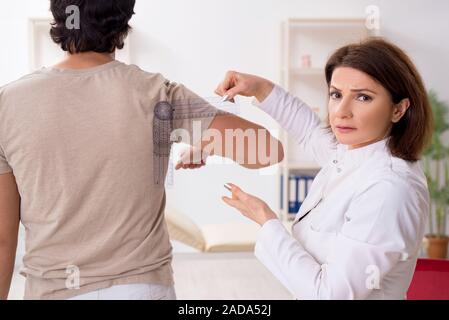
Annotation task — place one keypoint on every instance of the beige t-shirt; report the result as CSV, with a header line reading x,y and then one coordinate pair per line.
x,y
90,157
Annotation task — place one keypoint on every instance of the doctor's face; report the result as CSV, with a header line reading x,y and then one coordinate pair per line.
x,y
360,109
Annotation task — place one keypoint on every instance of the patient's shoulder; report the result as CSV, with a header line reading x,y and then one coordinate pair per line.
x,y
156,77
147,80
21,85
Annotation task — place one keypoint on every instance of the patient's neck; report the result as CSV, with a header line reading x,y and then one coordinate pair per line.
x,y
85,60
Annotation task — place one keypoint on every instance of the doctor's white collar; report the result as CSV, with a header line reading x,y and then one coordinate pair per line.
x,y
355,157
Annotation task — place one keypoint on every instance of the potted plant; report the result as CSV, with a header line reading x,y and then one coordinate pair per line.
x,y
436,168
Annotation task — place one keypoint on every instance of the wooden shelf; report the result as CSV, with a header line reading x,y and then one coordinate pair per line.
x,y
326,23
299,72
290,165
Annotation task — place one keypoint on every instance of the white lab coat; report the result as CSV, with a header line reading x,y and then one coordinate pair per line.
x,y
368,212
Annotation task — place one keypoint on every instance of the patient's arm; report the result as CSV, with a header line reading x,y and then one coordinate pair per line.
x,y
248,144
9,228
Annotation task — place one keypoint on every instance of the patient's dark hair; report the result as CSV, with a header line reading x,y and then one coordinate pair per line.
x,y
103,25
394,70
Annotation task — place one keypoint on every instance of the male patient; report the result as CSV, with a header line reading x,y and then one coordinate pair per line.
x,y
83,156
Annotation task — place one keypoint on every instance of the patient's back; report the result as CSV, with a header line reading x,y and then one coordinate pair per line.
x,y
80,144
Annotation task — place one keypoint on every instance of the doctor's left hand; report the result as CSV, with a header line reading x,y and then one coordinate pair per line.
x,y
251,207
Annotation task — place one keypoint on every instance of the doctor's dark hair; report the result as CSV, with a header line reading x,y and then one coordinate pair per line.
x,y
393,69
103,25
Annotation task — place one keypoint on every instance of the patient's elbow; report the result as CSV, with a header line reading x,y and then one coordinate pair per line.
x,y
281,154
276,154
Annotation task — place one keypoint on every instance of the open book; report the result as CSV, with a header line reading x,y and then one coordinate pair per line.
x,y
212,237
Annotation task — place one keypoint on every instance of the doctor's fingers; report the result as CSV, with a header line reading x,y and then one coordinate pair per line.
x,y
229,81
237,204
233,84
238,193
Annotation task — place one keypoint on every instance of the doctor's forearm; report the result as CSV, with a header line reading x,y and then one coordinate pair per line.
x,y
289,261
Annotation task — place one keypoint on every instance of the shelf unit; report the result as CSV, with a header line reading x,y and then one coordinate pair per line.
x,y
306,46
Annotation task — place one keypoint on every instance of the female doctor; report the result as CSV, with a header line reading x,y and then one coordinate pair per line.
x,y
359,231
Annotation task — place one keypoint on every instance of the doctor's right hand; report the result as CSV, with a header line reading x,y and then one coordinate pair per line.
x,y
236,83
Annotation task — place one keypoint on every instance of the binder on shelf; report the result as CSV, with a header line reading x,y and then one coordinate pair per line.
x,y
299,186
282,192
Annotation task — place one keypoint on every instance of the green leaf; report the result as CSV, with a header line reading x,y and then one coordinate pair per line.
x,y
437,154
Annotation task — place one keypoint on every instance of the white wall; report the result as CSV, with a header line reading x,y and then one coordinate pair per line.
x,y
196,41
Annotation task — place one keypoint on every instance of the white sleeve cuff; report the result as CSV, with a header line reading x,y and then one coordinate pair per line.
x,y
272,100
269,229
268,235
